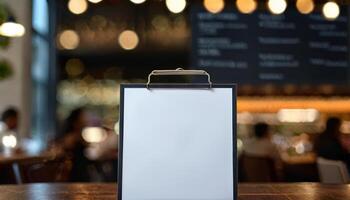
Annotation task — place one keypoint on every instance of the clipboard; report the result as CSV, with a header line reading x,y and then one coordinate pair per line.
x,y
177,141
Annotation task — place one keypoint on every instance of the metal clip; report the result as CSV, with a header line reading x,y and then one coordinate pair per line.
x,y
178,72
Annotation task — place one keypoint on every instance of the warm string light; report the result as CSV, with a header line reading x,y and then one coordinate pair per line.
x,y
95,1
128,40
305,6
331,10
137,1
176,6
69,39
214,6
277,7
246,6
77,6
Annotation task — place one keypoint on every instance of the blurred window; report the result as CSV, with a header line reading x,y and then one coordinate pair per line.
x,y
40,70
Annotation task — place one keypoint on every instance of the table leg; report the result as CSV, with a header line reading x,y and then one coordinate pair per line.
x,y
17,173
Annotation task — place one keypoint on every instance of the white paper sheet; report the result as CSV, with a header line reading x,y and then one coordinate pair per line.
x,y
178,144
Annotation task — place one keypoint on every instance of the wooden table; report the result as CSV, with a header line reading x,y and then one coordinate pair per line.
x,y
15,160
298,191
25,158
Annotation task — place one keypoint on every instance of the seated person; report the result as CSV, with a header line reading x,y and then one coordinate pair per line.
x,y
261,161
10,118
328,144
261,144
72,144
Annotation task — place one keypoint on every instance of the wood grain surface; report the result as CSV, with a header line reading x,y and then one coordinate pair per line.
x,y
297,191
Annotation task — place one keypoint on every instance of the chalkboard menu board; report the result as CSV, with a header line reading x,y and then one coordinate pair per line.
x,y
291,48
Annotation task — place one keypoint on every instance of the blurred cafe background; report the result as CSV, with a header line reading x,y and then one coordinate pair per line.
x,y
62,63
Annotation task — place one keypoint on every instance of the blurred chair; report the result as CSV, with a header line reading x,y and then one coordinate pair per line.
x,y
258,169
300,172
332,171
19,163
55,170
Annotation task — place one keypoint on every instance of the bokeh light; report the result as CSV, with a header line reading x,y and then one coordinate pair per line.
x,y
297,115
74,67
176,6
331,10
128,40
69,39
277,6
9,141
12,29
214,6
94,134
137,1
246,6
305,6
77,6
160,23
116,128
95,1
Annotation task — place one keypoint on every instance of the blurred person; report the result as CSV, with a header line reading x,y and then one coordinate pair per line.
x,y
10,118
329,146
261,159
106,149
72,144
105,155
261,145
